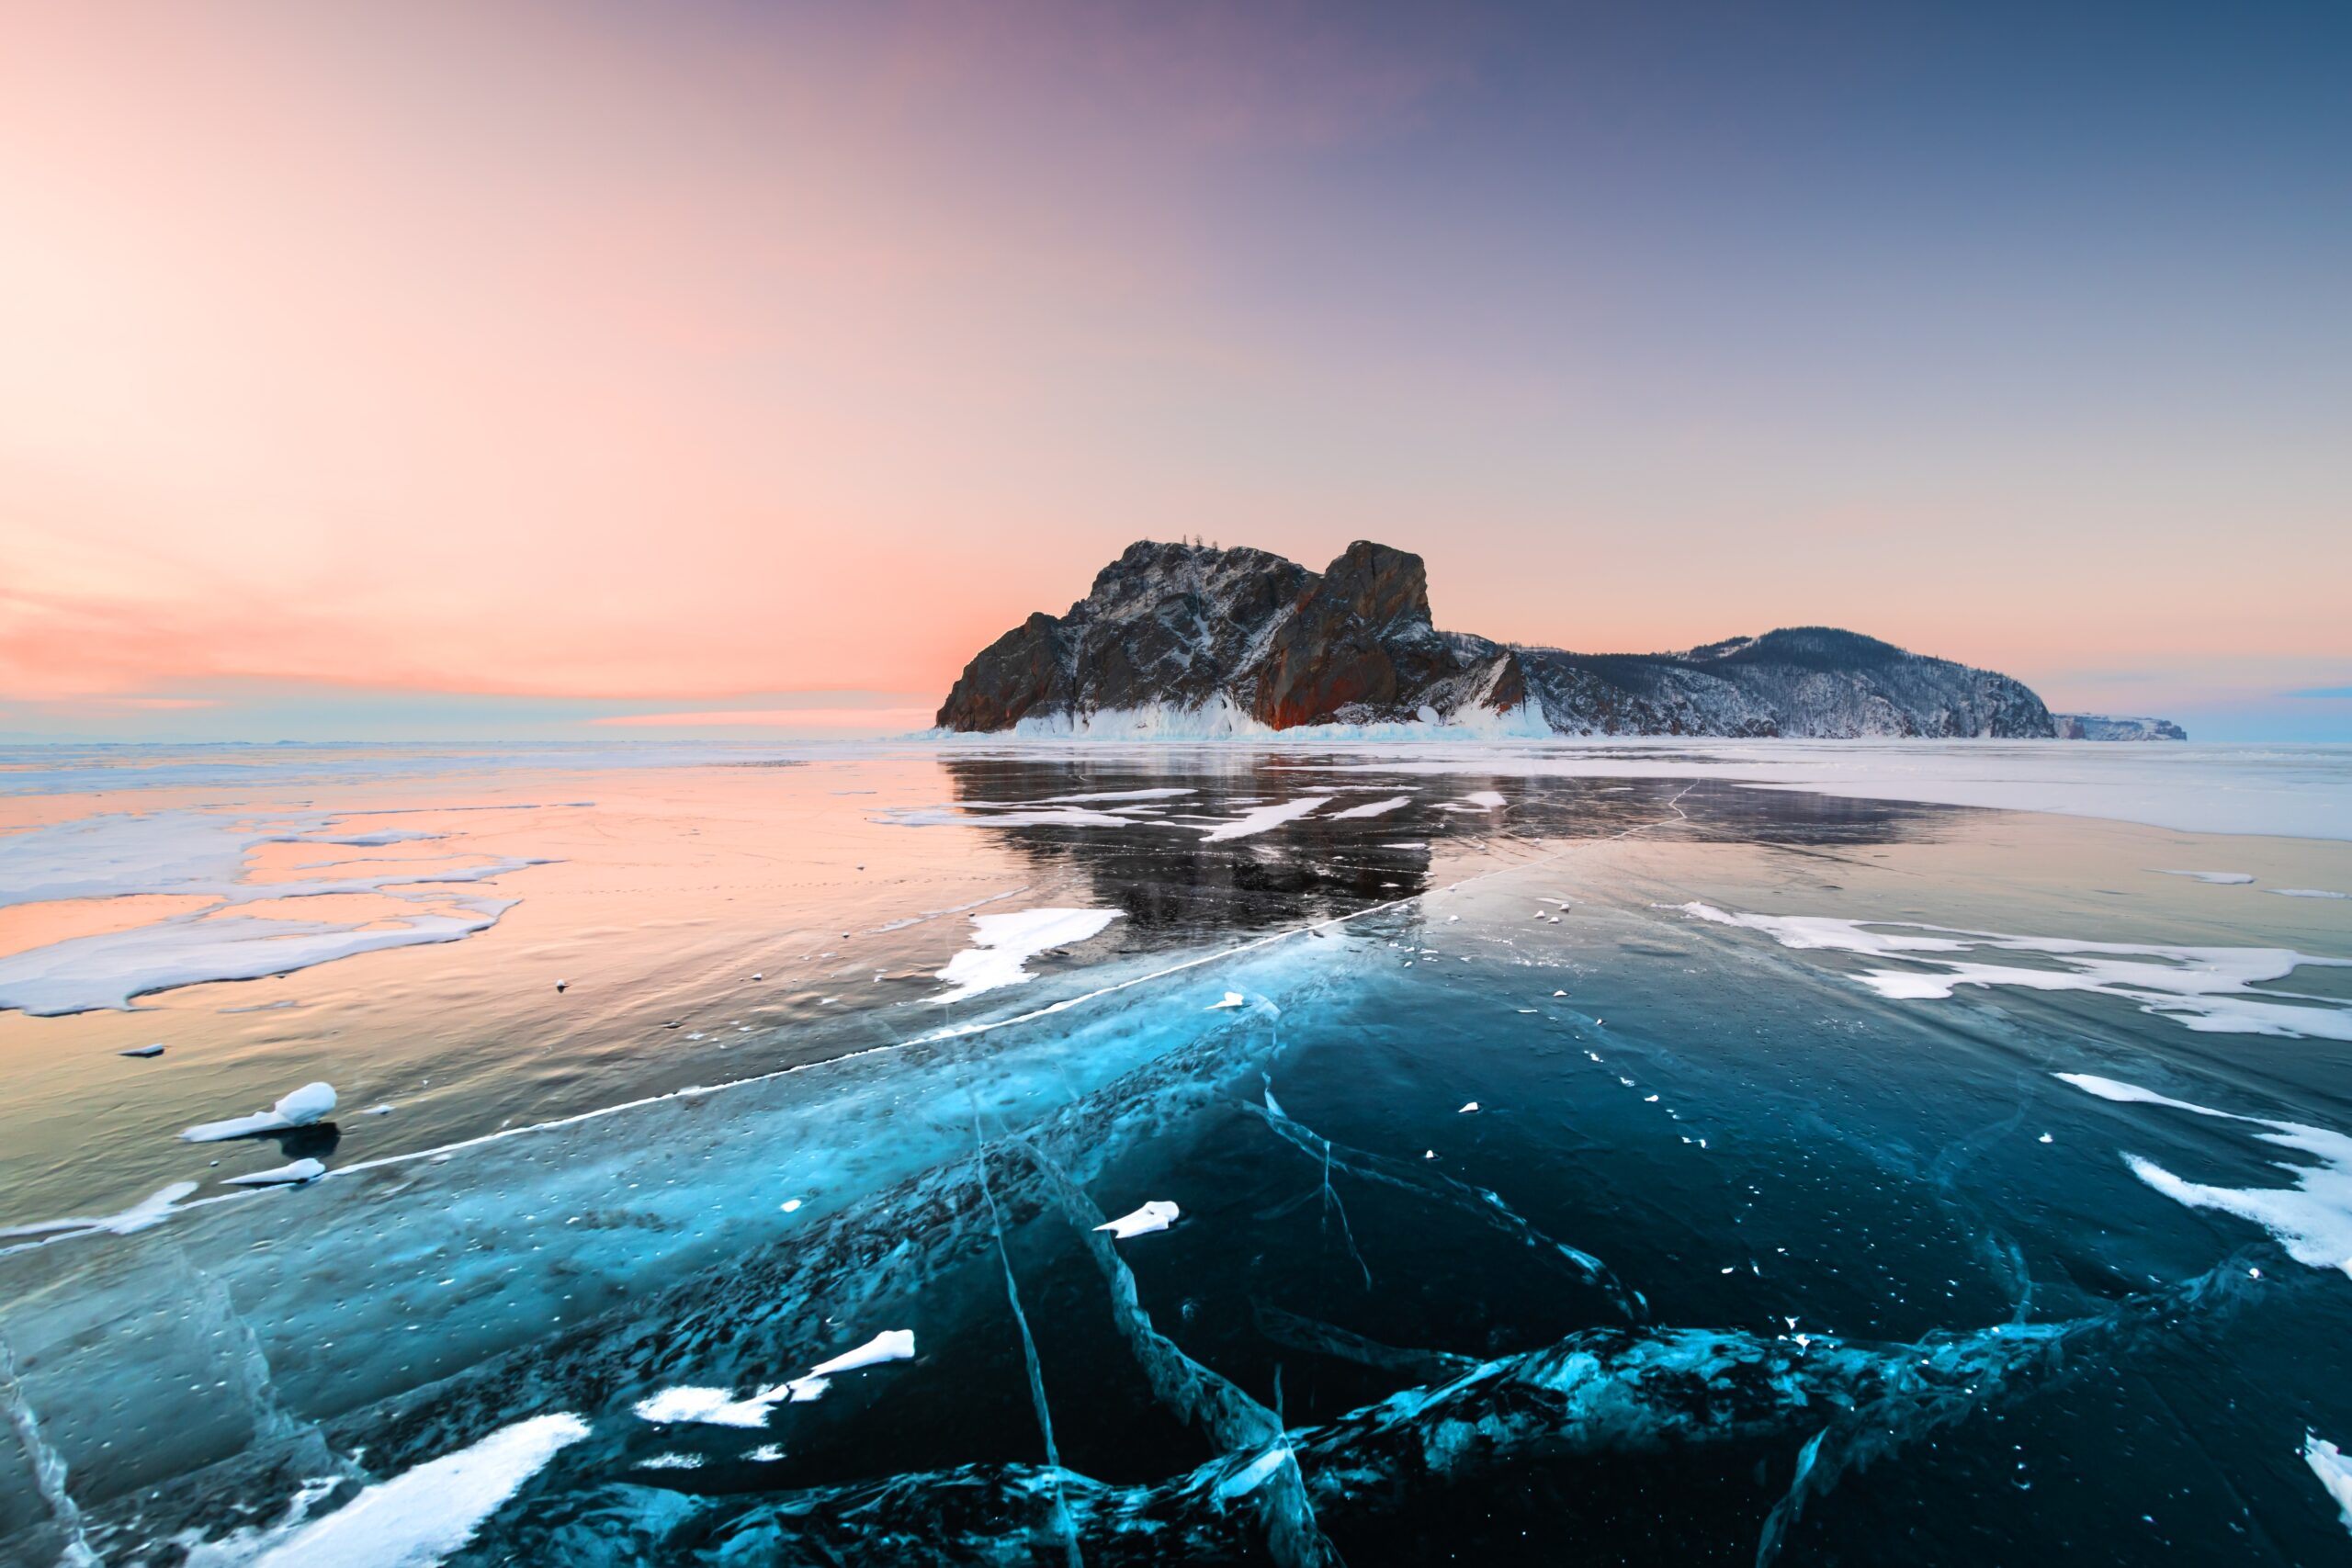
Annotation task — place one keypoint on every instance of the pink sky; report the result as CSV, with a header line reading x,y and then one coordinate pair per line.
x,y
669,354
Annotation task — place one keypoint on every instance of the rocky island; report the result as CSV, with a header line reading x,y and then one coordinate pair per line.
x,y
1188,639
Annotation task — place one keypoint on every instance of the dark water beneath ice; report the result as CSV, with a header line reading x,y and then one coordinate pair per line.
x,y
1749,1252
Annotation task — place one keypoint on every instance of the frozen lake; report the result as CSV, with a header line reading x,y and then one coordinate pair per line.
x,y
1653,1153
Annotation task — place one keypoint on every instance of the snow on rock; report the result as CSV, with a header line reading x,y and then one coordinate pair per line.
x,y
1156,1215
423,1516
312,1102
1003,943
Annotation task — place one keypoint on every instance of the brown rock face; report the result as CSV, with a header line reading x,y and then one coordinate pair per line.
x,y
1358,635
1020,670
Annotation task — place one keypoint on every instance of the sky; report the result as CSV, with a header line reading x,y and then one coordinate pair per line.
x,y
741,369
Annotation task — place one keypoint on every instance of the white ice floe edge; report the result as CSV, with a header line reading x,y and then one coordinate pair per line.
x,y
696,1091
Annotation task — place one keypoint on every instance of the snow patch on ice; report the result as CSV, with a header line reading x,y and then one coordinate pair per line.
x,y
1154,1216
292,1175
313,1102
2312,1219
1001,944
1266,817
1374,808
2219,878
109,969
423,1516
2327,1462
2209,989
152,1209
718,1407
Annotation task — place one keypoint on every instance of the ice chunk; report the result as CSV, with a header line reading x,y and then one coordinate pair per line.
x,y
143,1050
424,1514
2219,878
2327,1462
312,1102
1468,1109
293,1174
1231,999
2307,892
1003,943
1156,1215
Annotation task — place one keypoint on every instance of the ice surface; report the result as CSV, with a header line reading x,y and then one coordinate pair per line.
x,y
2209,990
1003,943
1156,1215
2327,1462
292,1175
312,1102
421,1516
1264,819
2312,1219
